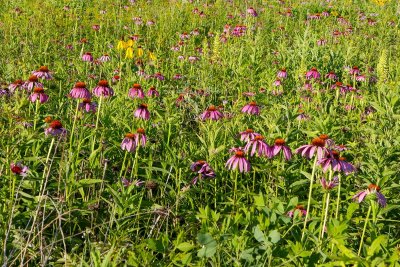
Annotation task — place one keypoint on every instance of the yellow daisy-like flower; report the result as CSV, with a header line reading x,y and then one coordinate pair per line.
x,y
140,51
130,43
152,56
129,53
121,45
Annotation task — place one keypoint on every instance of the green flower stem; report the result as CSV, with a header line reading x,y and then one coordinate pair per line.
x,y
338,198
365,227
309,196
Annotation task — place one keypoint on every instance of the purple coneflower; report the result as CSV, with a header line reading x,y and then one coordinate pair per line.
x,y
317,145
211,113
32,82
80,91
202,168
87,57
279,145
337,163
331,184
277,82
258,145
282,74
87,105
19,169
159,76
104,58
251,108
153,92
321,42
300,209
43,72
248,135
38,94
140,137
313,74
96,27
238,160
252,12
102,89
128,143
136,91
331,76
372,189
361,78
55,129
354,71
127,183
15,86
142,112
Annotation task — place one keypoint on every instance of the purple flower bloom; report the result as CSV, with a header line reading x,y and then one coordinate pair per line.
x,y
202,168
140,137
32,83
55,129
282,74
87,57
252,12
317,145
38,94
279,145
142,112
313,74
238,160
19,169
331,76
354,71
331,184
153,92
258,145
15,85
211,113
104,58
128,143
127,183
372,189
277,82
87,105
136,91
102,89
300,209
159,76
80,91
248,135
43,72
251,108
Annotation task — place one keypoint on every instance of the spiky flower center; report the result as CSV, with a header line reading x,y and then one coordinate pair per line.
x,y
143,106
313,69
355,68
56,124
16,169
130,135
18,82
103,83
80,85
258,138
44,69
202,162
338,84
253,103
88,54
239,154
342,158
87,101
137,86
279,142
324,136
152,88
212,108
318,142
299,207
249,131
283,69
116,77
33,78
335,154
374,187
140,131
48,119
38,90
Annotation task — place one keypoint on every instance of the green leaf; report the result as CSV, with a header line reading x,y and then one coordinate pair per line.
x,y
258,234
274,236
376,245
155,245
185,246
209,245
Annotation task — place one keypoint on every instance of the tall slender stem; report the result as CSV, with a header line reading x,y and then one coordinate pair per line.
x,y
338,198
36,114
309,195
365,227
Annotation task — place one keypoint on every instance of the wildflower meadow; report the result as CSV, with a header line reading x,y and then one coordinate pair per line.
x,y
200,133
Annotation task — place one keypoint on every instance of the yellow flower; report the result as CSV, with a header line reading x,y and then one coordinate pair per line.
x,y
130,43
120,45
152,56
334,13
140,51
129,53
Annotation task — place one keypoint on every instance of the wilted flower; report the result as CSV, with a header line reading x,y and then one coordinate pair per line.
x,y
331,184
258,145
211,113
202,168
136,91
300,209
19,169
43,72
87,105
238,160
279,145
127,183
38,94
102,89
372,189
80,91
251,108
142,112
55,129
128,143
